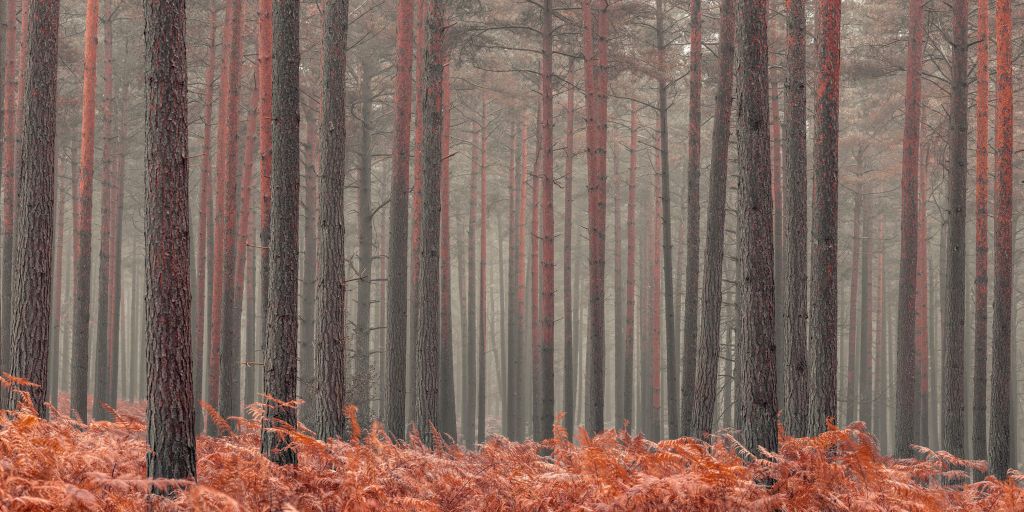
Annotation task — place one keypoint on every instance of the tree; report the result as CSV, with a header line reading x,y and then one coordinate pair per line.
x,y
692,232
33,225
795,212
906,377
280,359
569,352
428,331
329,333
170,412
83,222
822,292
953,349
979,432
597,135
709,346
757,288
393,405
481,390
547,249
1001,439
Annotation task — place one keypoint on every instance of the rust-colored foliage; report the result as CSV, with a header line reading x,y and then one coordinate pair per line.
x,y
65,465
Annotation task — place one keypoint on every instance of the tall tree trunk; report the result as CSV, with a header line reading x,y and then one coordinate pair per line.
x,y
1001,439
853,323
480,390
880,413
709,346
171,434
307,284
10,182
412,350
446,366
242,259
979,430
55,356
329,331
569,373
822,292
32,269
393,405
361,382
264,75
83,222
629,327
795,213
547,259
282,301
922,339
692,232
906,376
205,200
864,393
107,266
469,352
953,347
510,413
428,345
597,125
226,399
115,289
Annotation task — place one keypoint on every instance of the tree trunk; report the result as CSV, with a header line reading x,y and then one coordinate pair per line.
x,y
106,268
510,413
329,333
1001,442
864,393
264,75
822,292
171,434
205,200
393,404
361,382
446,366
850,414
906,376
547,259
597,128
706,378
880,414
569,373
282,302
953,347
242,259
428,345
979,430
922,340
83,222
55,356
480,390
692,233
307,285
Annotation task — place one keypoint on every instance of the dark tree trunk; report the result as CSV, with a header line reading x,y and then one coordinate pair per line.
x,y
822,292
1001,438
547,249
361,381
32,269
629,324
171,434
692,234
329,333
569,382
795,212
83,224
706,378
469,353
393,403
282,298
953,346
428,345
863,355
906,376
979,430
264,75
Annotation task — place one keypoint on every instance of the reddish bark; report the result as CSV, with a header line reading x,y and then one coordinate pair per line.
x,y
446,400
83,221
547,176
692,236
1000,436
264,74
569,383
10,131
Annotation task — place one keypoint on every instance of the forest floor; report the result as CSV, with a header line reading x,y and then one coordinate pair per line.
x,y
62,464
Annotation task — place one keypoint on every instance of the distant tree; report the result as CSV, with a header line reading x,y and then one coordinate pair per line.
x,y
979,430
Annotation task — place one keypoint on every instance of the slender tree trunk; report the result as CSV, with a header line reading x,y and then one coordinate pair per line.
x,y
597,124
309,264
1001,438
692,233
115,289
264,75
412,350
106,268
171,435
922,339
864,366
880,414
361,381
569,374
511,396
428,345
979,430
205,200
822,292
853,323
393,404
547,278
629,325
480,390
329,333
446,367
242,264
795,213
55,356
709,346
282,302
83,222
